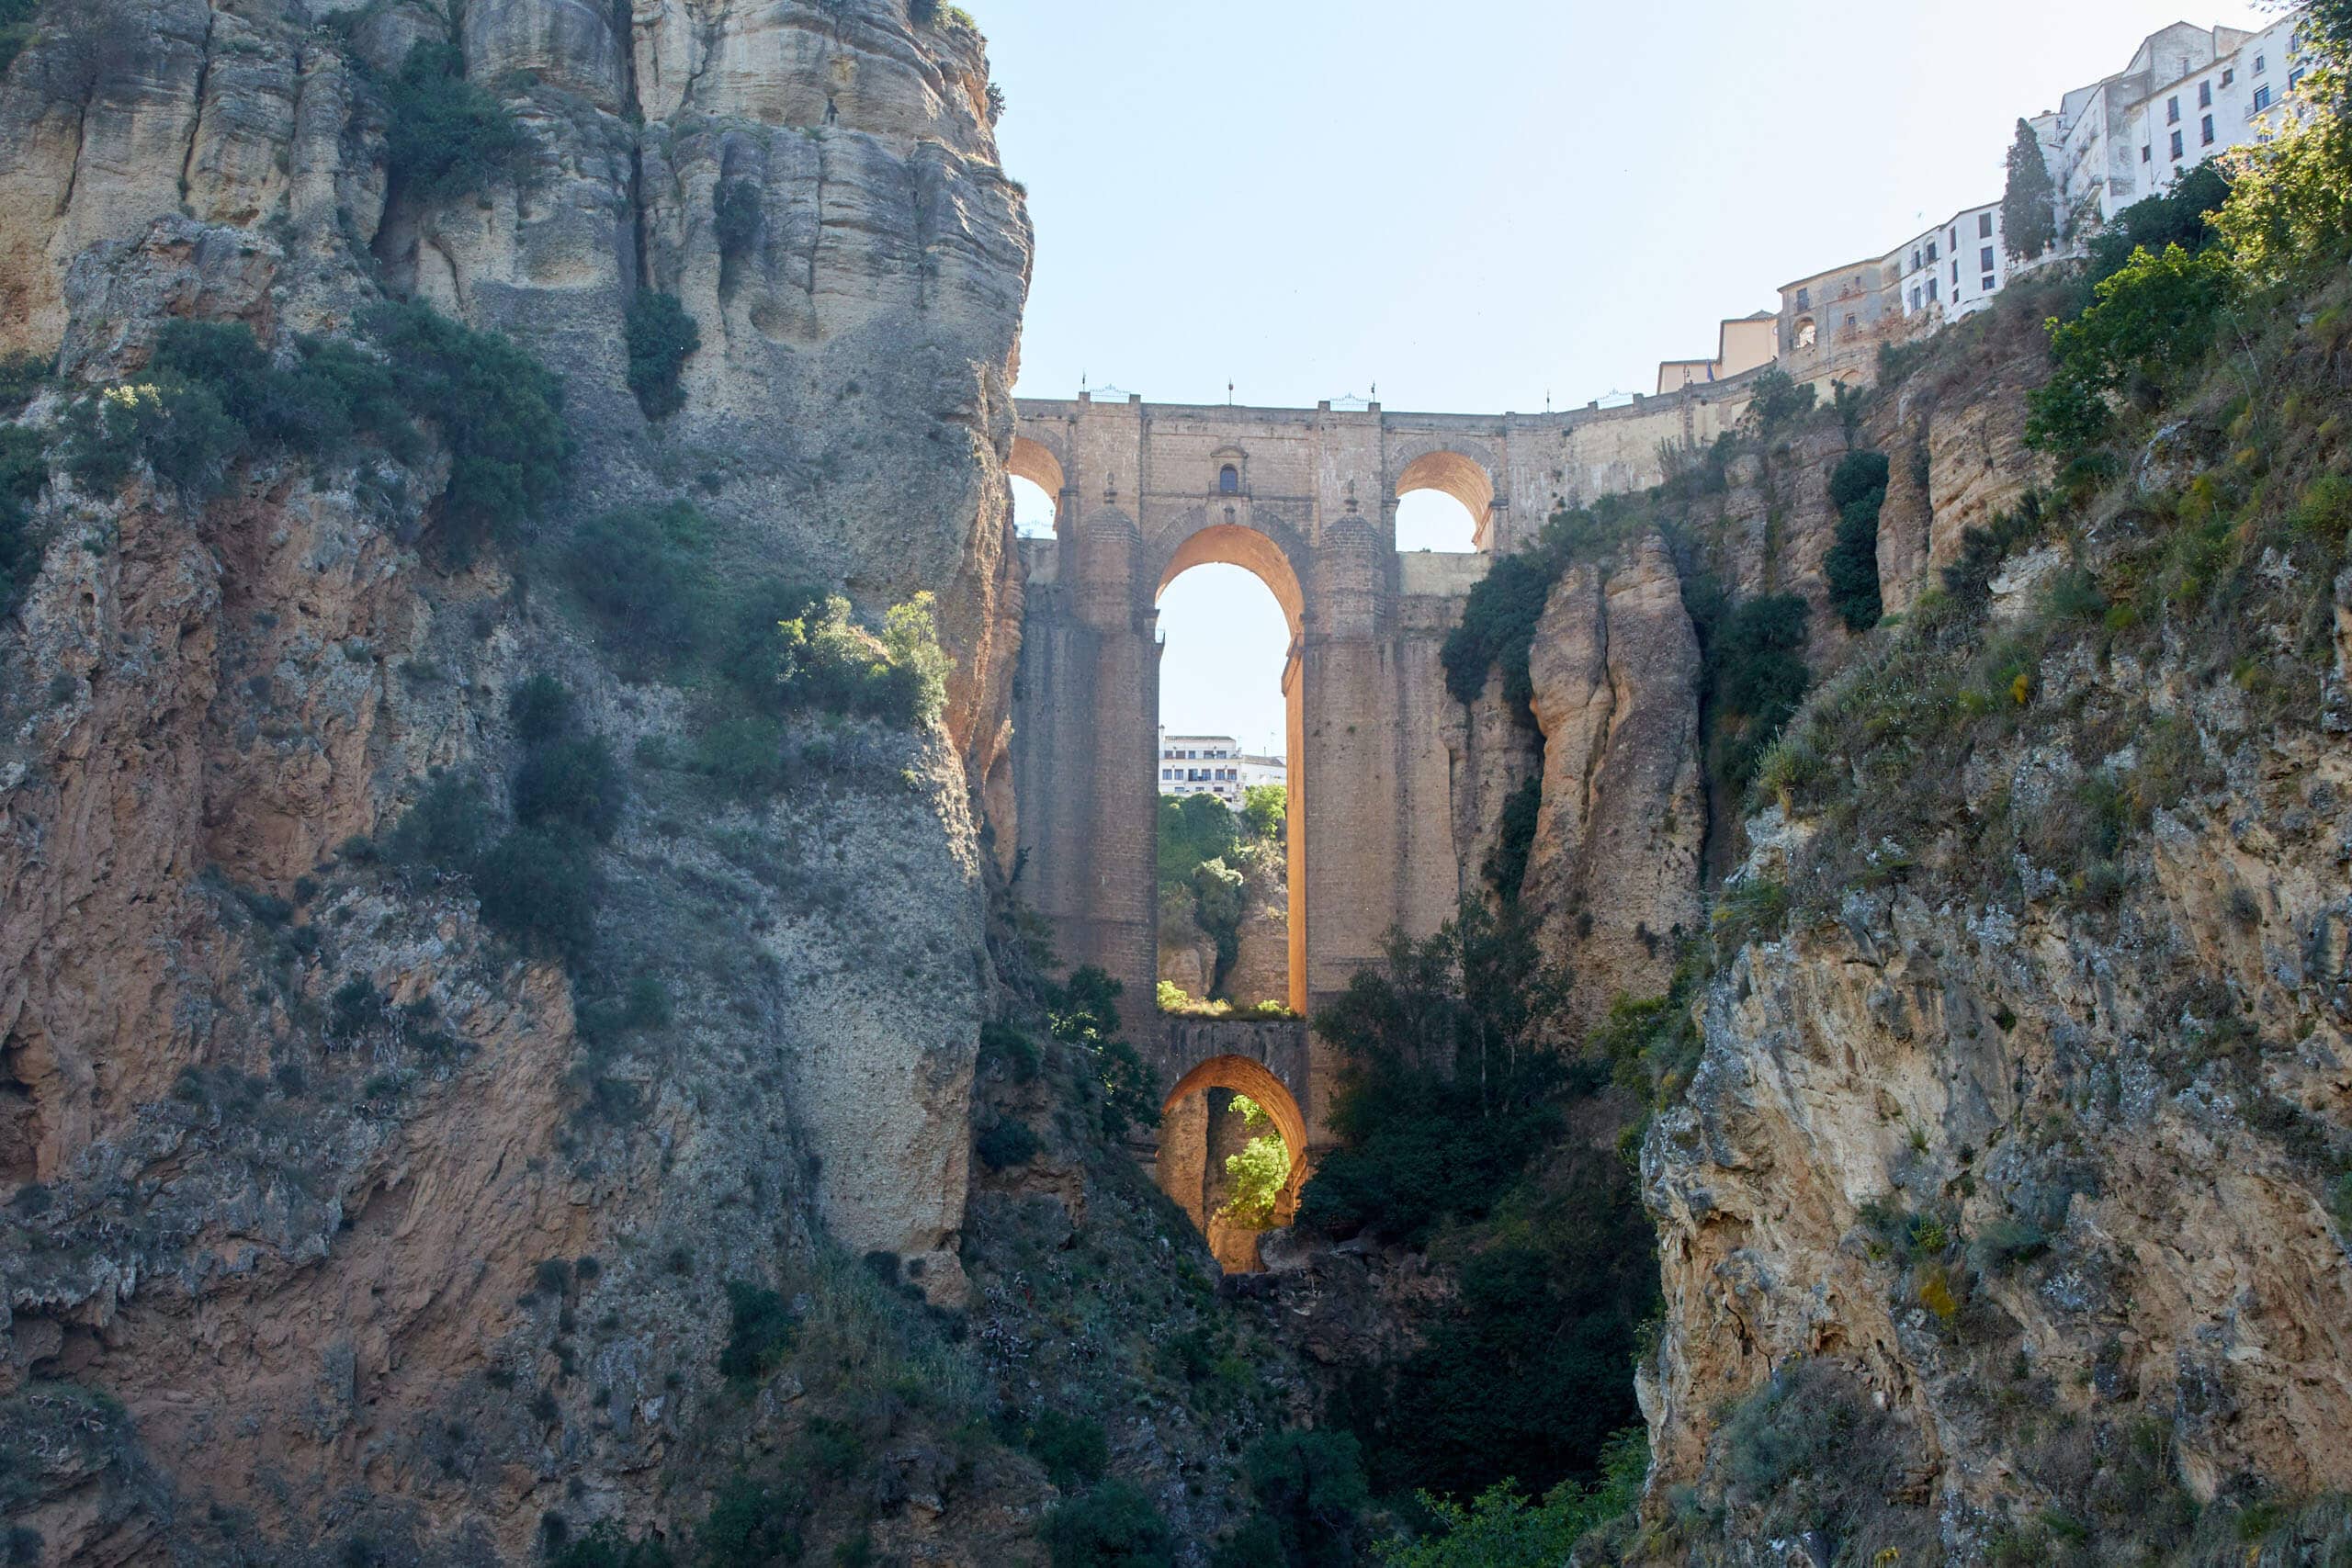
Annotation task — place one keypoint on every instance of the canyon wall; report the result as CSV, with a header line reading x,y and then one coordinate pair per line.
x,y
328,1198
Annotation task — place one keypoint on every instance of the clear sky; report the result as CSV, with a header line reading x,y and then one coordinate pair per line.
x,y
1477,205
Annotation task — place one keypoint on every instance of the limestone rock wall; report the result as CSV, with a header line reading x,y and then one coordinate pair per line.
x,y
1613,874
300,1238
2030,1074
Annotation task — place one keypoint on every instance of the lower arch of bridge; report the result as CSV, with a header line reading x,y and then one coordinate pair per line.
x,y
1246,1076
1230,544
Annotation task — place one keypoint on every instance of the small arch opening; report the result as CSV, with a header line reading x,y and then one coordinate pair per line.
x,y
1431,520
1233,1156
1445,503
1228,480
1037,486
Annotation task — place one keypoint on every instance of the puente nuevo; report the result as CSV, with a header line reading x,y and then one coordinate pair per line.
x,y
1380,810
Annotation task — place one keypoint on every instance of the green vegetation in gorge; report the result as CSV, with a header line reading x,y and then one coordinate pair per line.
x,y
1257,1175
446,136
1083,1013
538,882
213,396
1451,1112
1208,854
1858,490
660,338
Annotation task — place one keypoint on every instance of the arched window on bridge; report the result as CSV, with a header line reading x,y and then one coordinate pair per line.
x,y
1228,480
1443,500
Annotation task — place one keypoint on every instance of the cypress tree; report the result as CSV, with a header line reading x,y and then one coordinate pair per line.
x,y
2029,209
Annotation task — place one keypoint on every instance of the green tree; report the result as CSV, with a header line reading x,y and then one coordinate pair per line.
x,y
661,336
1310,1485
1858,488
1265,811
1451,1060
1256,1177
1114,1526
1500,1528
447,137
2029,205
1083,1013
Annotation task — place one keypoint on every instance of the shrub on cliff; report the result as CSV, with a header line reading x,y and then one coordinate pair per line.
x,y
23,469
542,886
447,137
1858,490
499,414
661,336
640,570
1114,1526
829,662
1083,1014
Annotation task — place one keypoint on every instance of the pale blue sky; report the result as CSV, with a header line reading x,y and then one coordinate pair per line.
x,y
1477,205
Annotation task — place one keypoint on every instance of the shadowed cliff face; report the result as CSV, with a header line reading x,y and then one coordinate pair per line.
x,y
299,1133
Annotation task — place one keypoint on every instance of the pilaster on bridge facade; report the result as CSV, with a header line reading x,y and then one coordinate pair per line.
x,y
1304,499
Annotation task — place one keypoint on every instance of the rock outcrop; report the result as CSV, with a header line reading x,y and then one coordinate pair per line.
x,y
1614,871
370,1227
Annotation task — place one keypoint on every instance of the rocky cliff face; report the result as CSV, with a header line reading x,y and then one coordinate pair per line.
x,y
2005,1208
1613,874
326,1201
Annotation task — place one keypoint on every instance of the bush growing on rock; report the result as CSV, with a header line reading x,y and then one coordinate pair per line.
x,y
661,337
1114,1526
761,1332
542,886
1074,1449
446,135
1007,1143
1858,490
499,414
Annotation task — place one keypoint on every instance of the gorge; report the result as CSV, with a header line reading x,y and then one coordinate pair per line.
x,y
581,917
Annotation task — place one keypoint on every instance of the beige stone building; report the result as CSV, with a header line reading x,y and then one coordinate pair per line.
x,y
1746,343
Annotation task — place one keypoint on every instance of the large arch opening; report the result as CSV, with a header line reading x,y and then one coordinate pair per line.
x,y
1231,823
1445,503
1233,1156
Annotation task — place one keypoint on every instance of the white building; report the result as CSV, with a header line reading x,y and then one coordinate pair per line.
x,y
2189,94
1954,269
1213,764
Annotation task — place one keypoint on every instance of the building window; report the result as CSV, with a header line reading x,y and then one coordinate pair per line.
x,y
2260,65
2172,111
1955,273
1983,225
2294,78
1228,480
1933,283
2147,153
2261,98
1917,301
2176,146
2204,94
1804,298
2229,76
1932,253
2205,130
1915,261
1850,321
1984,260
1987,283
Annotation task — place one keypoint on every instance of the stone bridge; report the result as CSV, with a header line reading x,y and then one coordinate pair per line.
x,y
1381,825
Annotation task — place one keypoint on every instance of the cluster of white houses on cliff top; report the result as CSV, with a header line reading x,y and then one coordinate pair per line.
x,y
2189,94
